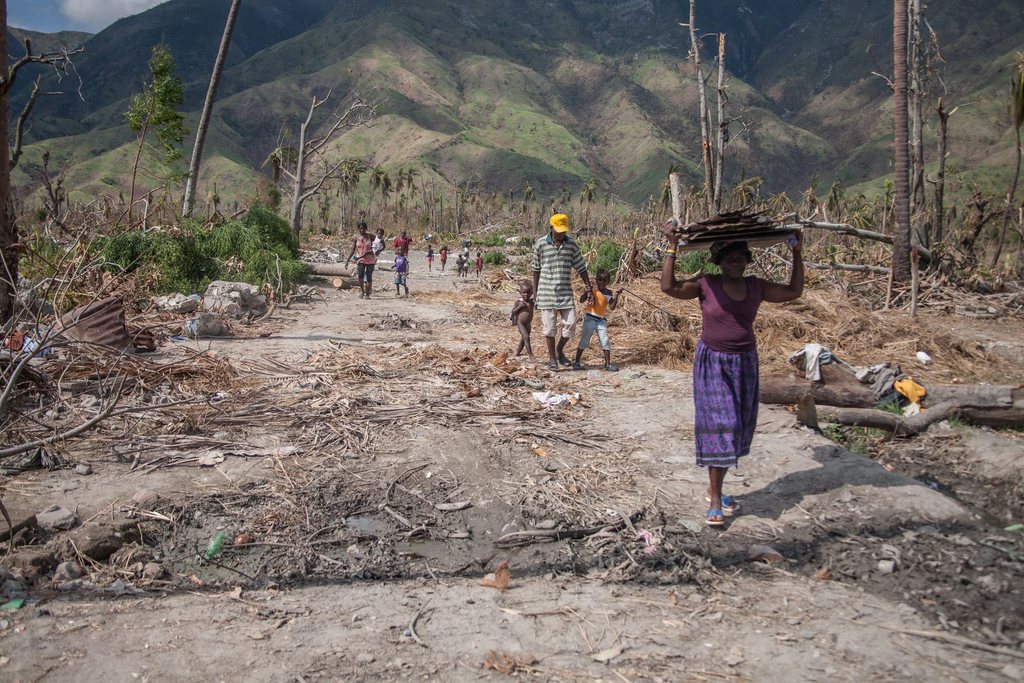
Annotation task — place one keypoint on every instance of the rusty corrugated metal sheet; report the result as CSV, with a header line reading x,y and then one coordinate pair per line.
x,y
101,322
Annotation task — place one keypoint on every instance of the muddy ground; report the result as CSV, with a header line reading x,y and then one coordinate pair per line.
x,y
369,462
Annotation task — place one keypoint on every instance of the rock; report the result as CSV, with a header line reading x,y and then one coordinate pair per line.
x,y
178,303
152,571
734,657
206,325
100,541
546,524
887,566
56,517
763,553
144,498
365,658
234,299
13,588
31,564
67,571
83,469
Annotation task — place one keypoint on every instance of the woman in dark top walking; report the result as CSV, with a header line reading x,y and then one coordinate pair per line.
x,y
725,365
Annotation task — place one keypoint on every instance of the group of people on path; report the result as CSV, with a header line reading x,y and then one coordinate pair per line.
x,y
725,364
555,257
366,250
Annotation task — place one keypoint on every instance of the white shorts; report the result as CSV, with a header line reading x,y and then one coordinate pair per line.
x,y
549,319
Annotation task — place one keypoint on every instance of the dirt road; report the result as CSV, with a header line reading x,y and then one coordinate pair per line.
x,y
374,460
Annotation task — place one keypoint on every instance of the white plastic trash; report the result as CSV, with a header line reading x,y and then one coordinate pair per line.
x,y
923,358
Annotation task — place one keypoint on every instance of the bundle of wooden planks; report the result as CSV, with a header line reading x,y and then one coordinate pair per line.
x,y
754,227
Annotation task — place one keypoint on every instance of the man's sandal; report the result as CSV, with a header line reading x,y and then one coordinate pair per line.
x,y
729,504
553,366
714,517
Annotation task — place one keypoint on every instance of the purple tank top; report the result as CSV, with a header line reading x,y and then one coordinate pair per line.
x,y
728,325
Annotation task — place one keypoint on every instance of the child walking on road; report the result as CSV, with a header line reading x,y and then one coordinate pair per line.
x,y
479,264
401,275
522,317
596,320
444,256
430,258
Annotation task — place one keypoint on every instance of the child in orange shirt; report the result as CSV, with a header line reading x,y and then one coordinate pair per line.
x,y
595,320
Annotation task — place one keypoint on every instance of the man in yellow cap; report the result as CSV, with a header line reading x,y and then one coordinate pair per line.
x,y
555,256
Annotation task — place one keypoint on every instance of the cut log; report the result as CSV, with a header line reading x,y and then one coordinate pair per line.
x,y
341,282
984,404
330,269
890,422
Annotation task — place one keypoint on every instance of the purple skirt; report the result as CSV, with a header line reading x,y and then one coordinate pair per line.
x,y
725,396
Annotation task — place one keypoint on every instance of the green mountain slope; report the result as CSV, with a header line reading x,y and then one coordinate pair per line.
x,y
548,93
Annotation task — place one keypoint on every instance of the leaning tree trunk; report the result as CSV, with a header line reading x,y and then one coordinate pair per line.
x,y
940,172
204,118
8,228
901,212
300,175
1009,204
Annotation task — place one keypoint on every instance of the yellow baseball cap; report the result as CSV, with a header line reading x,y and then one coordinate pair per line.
x,y
560,222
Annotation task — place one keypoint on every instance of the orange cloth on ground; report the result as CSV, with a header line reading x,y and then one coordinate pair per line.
x,y
600,305
911,389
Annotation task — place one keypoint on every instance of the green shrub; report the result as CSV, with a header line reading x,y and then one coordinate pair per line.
x,y
257,249
698,261
609,256
495,258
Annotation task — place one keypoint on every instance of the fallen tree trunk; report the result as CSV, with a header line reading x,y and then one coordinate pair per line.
x,y
985,404
330,269
890,422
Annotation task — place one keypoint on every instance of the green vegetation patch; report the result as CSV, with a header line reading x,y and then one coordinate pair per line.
x,y
259,248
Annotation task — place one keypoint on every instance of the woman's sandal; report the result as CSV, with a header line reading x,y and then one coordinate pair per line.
x,y
714,517
729,504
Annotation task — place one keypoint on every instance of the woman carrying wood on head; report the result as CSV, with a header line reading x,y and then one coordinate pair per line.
x,y
725,365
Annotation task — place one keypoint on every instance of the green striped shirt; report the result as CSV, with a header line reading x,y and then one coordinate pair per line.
x,y
555,264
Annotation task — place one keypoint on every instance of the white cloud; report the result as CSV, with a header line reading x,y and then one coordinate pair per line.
x,y
101,13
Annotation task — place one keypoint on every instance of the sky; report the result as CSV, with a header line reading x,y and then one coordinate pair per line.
x,y
50,16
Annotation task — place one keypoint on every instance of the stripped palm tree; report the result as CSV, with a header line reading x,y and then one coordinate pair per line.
x,y
901,150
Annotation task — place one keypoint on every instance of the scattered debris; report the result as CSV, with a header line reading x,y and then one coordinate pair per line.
x,y
178,303
234,299
499,579
509,663
763,553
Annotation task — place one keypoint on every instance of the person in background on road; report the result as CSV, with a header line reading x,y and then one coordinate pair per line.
x,y
401,275
430,258
367,260
596,320
725,365
379,243
444,256
462,264
555,256
522,317
402,243
479,264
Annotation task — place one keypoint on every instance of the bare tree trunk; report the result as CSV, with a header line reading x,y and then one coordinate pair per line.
x,y
204,118
300,174
675,184
723,125
1009,203
8,227
940,172
901,213
705,124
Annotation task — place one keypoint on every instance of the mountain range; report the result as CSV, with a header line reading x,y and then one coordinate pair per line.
x,y
550,93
